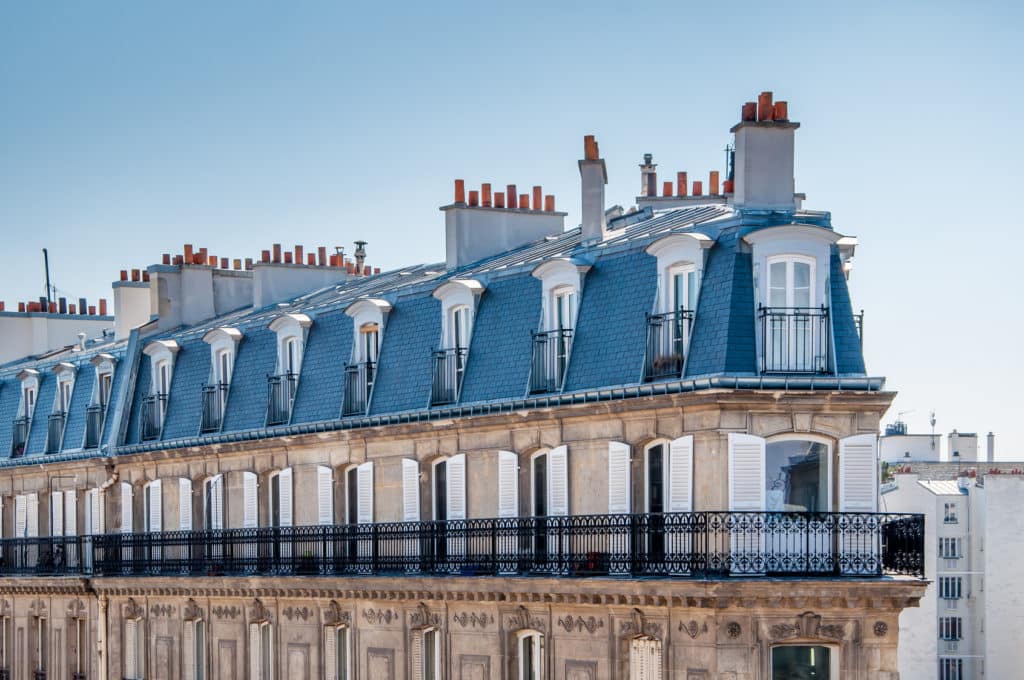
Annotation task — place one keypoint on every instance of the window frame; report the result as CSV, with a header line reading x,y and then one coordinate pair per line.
x,y
364,313
831,452
833,656
454,295
541,453
950,513
538,654
292,331
791,260
29,399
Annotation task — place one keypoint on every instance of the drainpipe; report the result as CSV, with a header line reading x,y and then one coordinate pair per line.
x,y
101,637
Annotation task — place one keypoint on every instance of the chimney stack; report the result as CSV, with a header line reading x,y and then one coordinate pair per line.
x,y
764,149
593,178
648,176
990,448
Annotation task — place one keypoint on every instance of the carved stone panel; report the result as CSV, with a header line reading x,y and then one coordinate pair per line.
x,y
474,667
298,662
580,670
163,663
380,663
226,660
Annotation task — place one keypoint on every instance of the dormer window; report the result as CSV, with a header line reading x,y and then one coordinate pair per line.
x,y
65,373
223,347
154,405
367,324
680,265
96,411
458,308
29,379
291,330
561,283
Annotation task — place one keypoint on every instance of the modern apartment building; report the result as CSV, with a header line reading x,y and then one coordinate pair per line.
x,y
644,447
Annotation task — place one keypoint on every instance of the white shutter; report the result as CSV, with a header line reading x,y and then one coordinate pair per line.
x,y
188,650
32,512
858,468
20,515
71,513
185,504
416,655
508,484
255,667
680,477
330,653
216,508
95,512
56,513
558,481
325,495
364,482
746,472
156,506
131,648
618,478
250,514
457,487
410,491
127,520
284,485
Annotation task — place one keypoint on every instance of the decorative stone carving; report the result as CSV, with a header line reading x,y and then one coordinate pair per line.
x,y
782,631
473,619
523,619
378,617
881,628
334,615
77,610
259,611
808,626
132,610
733,630
191,611
301,613
5,608
422,617
693,629
579,624
222,612
639,625
832,630
161,610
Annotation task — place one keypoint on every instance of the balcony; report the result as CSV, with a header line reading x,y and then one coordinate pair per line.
x,y
19,435
358,387
94,425
215,397
281,397
794,340
55,431
152,417
668,338
449,367
685,545
550,359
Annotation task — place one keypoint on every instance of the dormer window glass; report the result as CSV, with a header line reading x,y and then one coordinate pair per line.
x,y
223,345
561,283
61,405
291,337
794,331
367,325
26,409
154,406
95,412
458,307
564,318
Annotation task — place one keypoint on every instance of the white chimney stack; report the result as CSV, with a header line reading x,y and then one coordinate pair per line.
x,y
990,449
764,156
593,178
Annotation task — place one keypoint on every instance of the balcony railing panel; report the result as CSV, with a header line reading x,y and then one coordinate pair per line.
x,y
55,431
550,359
449,367
154,407
93,425
795,340
19,435
358,387
698,544
215,397
668,337
281,397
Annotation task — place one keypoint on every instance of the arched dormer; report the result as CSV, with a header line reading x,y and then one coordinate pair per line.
x,y
104,365
561,282
154,406
459,299
291,330
65,374
368,316
223,344
680,270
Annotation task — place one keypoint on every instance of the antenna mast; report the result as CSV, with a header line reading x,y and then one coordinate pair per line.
x,y
46,266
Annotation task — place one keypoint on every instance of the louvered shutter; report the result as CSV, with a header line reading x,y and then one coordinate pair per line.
x,y
96,508
216,508
558,481
70,513
858,467
325,496
364,482
185,504
32,519
508,484
20,515
127,519
284,481
416,655
746,472
618,478
330,653
655,659
680,477
250,509
255,667
457,487
56,514
188,650
131,648
410,491
156,507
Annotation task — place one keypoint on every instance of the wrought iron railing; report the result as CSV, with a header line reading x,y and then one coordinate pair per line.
x,y
858,320
93,425
697,544
55,431
39,674
449,367
281,397
358,387
19,435
794,340
215,397
154,406
550,359
668,338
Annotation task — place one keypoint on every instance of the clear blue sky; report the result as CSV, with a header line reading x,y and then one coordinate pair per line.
x,y
128,129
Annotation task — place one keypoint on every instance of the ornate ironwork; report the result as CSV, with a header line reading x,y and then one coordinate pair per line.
x,y
795,340
668,337
449,367
550,359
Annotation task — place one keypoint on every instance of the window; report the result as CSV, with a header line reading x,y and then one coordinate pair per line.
x,y
6,643
367,323
530,648
950,587
359,494
134,650
280,498
78,638
95,412
682,287
426,654
26,515
29,388
193,650
261,651
337,653
797,476
458,307
949,514
63,513
794,332
951,669
797,661
369,342
645,658
26,409
154,406
950,628
949,548
153,505
94,523
39,636
291,330
213,503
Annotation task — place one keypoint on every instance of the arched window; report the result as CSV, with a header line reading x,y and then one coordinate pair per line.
x,y
291,332
798,474
530,655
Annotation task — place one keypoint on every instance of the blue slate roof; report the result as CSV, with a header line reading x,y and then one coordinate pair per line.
x,y
607,353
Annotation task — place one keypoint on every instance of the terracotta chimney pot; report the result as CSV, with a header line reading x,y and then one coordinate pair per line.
x,y
524,201
321,256
460,191
277,252
499,200
166,259
698,188
781,111
511,196
749,112
536,198
124,274
681,183
765,110
485,195
713,183
549,203
666,188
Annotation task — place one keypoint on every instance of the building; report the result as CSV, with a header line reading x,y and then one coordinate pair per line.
x,y
960,628
640,448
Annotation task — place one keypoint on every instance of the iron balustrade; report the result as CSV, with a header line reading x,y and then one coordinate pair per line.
x,y
795,340
93,425
19,435
550,359
215,398
152,416
358,386
281,397
858,320
55,431
668,337
696,544
449,367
